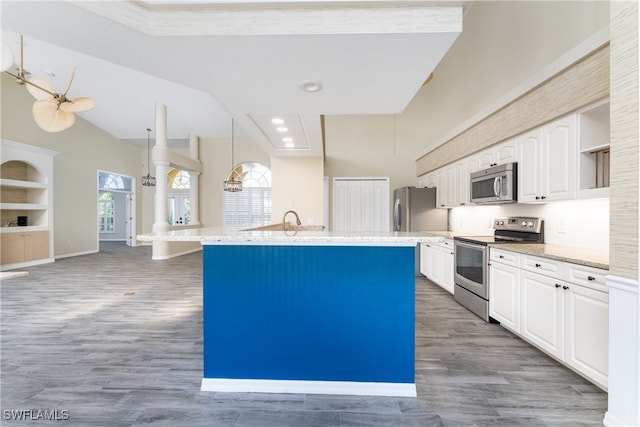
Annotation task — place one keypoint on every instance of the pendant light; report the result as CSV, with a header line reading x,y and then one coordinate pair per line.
x,y
232,184
148,181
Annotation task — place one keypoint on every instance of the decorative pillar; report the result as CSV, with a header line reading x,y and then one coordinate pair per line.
x,y
194,181
162,169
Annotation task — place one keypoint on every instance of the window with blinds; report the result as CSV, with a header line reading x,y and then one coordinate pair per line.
x,y
250,207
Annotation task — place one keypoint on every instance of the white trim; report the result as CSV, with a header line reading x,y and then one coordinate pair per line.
x,y
94,251
578,52
309,242
174,255
624,352
309,387
26,264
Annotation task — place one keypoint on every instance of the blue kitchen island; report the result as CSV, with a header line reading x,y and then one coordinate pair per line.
x,y
312,312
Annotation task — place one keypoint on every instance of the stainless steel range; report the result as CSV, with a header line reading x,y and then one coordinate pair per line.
x,y
471,274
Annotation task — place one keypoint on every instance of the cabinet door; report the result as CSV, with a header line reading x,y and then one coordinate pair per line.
x,y
504,295
36,245
587,337
435,270
446,267
559,159
424,259
529,167
542,312
12,245
506,152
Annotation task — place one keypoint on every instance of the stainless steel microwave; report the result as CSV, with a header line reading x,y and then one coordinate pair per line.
x,y
498,184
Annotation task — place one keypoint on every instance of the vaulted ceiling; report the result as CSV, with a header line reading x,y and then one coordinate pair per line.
x,y
208,61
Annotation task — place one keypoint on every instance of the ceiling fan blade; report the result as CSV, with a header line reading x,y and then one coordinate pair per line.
x,y
7,58
37,92
50,118
73,74
77,105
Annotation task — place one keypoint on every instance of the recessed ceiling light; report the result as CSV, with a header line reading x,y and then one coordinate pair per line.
x,y
287,139
282,129
311,86
290,145
277,121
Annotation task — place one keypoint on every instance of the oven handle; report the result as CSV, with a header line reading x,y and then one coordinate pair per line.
x,y
469,245
497,185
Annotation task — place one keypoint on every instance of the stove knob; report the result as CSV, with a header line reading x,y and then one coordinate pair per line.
x,y
501,222
524,223
530,224
497,222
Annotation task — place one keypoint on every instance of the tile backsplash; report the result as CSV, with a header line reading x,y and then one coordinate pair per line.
x,y
574,223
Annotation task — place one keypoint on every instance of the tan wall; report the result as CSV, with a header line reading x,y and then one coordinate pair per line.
x,y
624,140
297,183
83,150
215,154
502,45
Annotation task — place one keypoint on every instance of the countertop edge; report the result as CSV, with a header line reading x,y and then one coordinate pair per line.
x,y
587,258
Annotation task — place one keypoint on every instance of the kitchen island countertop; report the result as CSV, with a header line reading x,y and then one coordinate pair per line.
x,y
214,235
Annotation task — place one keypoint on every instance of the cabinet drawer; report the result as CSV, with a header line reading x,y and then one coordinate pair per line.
x,y
545,266
590,277
504,257
446,244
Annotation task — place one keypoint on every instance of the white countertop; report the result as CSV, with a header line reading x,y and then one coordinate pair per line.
x,y
216,235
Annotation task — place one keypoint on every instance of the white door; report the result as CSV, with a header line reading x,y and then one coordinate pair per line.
x,y
130,223
361,204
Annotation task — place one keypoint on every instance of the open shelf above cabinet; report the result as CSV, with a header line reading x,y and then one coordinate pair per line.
x,y
593,151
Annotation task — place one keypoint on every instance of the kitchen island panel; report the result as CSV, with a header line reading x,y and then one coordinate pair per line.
x,y
309,313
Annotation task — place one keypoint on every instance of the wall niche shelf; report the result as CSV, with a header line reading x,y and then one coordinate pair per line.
x,y
26,191
593,151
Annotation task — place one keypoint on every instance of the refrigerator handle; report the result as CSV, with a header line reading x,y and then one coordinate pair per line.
x,y
397,218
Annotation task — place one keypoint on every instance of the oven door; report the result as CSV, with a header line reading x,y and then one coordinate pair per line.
x,y
471,268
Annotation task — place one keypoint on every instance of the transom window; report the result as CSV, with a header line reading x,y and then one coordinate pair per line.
x,y
250,207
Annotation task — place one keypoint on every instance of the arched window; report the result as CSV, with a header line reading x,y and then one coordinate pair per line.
x,y
250,207
178,197
106,212
178,179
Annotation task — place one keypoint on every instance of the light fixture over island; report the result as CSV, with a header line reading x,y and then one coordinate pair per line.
x,y
307,312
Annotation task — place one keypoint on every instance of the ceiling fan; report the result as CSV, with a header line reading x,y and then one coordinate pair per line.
x,y
53,111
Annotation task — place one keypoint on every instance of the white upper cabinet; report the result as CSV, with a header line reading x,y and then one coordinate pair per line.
x,y
593,151
499,154
546,162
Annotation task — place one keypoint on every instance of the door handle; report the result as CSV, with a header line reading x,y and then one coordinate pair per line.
x,y
496,186
557,285
591,278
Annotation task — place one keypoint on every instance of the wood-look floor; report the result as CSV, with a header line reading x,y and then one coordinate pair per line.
x,y
115,339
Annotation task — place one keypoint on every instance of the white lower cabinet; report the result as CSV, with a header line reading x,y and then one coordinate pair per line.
x,y
436,263
542,312
561,308
504,292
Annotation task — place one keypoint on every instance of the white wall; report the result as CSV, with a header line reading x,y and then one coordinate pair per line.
x,y
83,150
297,183
573,223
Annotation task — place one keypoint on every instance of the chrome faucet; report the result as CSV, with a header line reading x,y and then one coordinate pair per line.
x,y
284,224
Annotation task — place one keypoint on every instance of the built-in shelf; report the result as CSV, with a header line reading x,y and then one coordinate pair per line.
x,y
26,174
593,155
15,183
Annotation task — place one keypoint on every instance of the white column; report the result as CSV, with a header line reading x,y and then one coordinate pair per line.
x,y
194,181
162,169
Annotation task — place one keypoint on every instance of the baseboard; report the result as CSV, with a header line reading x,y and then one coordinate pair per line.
x,y
309,387
174,255
25,264
95,251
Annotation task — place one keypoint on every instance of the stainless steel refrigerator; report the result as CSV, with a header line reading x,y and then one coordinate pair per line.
x,y
414,209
